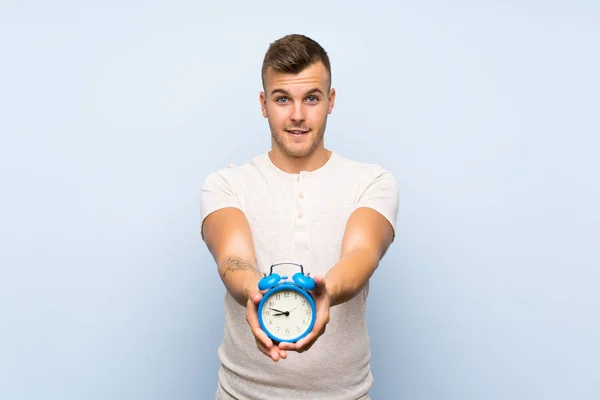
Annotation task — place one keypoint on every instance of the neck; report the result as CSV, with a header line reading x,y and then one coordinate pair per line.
x,y
294,165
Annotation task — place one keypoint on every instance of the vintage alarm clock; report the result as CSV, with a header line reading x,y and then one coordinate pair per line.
x,y
287,311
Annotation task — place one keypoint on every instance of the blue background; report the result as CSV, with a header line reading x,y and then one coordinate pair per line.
x,y
112,114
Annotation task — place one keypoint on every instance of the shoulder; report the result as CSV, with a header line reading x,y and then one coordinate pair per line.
x,y
376,186
364,172
236,175
228,186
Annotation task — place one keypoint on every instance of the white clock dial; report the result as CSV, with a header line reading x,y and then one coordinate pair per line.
x,y
286,314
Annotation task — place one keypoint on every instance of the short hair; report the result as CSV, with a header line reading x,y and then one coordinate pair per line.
x,y
292,54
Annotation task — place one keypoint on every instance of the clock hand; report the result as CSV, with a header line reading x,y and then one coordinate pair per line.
x,y
279,311
286,313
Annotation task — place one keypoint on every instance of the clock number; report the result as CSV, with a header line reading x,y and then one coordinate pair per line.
x,y
303,302
306,312
304,321
270,322
297,329
277,329
277,296
271,304
286,294
287,330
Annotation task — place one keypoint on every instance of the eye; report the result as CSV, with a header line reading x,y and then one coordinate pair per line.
x,y
312,99
281,100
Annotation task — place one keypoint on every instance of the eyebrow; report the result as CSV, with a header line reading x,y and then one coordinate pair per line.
x,y
284,92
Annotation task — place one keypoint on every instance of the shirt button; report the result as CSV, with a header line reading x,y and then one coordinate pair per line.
x,y
299,215
300,195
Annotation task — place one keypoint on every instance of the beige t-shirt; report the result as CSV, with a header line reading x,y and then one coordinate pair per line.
x,y
299,218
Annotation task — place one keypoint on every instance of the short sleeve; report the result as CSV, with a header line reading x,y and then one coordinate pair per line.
x,y
381,194
218,191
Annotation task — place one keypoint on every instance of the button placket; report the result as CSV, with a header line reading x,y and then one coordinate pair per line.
x,y
299,201
301,236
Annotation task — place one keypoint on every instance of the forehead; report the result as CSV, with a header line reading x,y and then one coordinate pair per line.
x,y
313,76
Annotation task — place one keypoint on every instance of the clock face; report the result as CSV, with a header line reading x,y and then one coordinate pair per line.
x,y
286,314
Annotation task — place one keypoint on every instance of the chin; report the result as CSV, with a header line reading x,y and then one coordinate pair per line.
x,y
304,150
298,153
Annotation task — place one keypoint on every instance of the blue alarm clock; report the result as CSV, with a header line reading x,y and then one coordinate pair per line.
x,y
287,310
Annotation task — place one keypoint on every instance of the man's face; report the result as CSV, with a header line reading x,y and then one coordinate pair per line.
x,y
297,106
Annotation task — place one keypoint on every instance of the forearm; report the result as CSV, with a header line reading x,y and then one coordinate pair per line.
x,y
240,277
348,277
229,239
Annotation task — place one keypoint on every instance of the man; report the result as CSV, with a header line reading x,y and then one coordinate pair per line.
x,y
301,203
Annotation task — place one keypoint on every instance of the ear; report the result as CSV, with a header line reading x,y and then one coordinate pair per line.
x,y
331,100
263,104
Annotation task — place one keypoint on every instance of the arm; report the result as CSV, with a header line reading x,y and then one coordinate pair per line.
x,y
229,239
366,239
367,236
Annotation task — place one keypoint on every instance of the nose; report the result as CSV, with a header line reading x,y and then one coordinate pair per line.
x,y
297,115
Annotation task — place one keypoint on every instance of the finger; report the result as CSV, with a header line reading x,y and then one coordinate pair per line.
x,y
284,346
303,343
307,346
319,329
306,342
319,284
256,297
263,340
262,348
320,323
276,353
252,318
272,353
282,352
260,335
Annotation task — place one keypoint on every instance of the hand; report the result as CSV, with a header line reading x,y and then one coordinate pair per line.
x,y
322,305
263,342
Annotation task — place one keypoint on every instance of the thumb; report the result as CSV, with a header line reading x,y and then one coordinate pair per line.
x,y
256,297
319,284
